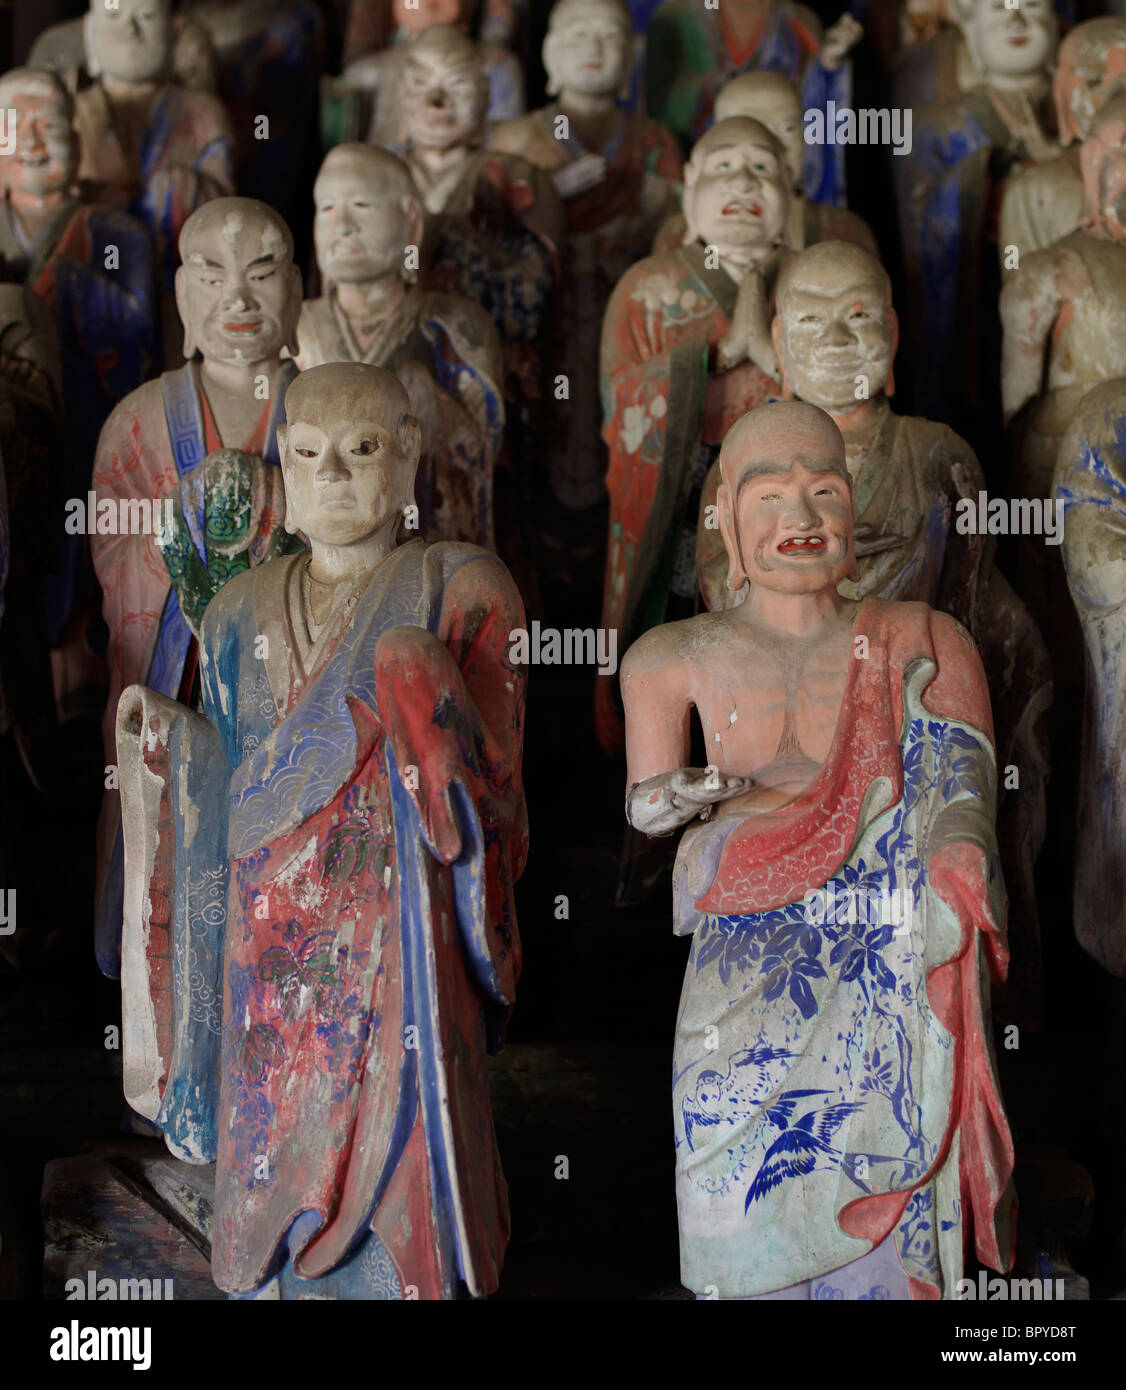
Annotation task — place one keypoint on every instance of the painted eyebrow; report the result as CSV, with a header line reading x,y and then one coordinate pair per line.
x,y
264,260
197,258
761,470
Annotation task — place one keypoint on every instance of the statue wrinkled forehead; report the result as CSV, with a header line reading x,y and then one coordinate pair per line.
x,y
735,131
444,48
770,438
339,393
367,166
243,227
830,267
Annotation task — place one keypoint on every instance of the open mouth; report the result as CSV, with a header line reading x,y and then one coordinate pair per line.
x,y
802,545
737,209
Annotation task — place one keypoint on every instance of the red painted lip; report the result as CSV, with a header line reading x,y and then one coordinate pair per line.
x,y
802,545
1017,41
243,327
751,209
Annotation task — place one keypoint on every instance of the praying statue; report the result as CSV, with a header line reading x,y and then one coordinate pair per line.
x,y
839,1127
320,939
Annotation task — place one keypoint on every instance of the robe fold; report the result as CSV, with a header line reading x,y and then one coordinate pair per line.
x,y
840,958
689,56
446,352
662,430
321,942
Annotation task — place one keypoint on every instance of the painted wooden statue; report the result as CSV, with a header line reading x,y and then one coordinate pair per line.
x,y
1090,485
914,484
314,1020
839,1127
773,100
365,102
368,230
952,182
685,352
64,49
187,490
1044,202
616,173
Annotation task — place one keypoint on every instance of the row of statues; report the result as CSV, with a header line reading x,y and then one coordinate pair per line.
x,y
324,457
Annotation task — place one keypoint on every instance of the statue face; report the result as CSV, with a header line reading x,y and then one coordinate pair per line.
x,y
345,479
736,190
775,105
1015,42
45,157
133,41
359,232
444,99
414,19
836,327
238,291
793,518
588,50
1090,73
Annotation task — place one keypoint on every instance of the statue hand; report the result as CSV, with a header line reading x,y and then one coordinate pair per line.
x,y
662,804
839,42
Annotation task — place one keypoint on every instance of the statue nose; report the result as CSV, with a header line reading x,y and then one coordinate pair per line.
x,y
837,334
330,467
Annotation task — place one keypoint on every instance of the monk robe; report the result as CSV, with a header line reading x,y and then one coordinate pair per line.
x,y
690,55
906,494
446,352
1090,485
108,339
1042,204
950,195
610,226
188,133
666,417
853,1100
155,446
266,1012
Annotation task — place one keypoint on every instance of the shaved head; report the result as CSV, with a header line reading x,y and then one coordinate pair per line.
x,y
346,391
386,173
228,218
735,130
770,437
829,266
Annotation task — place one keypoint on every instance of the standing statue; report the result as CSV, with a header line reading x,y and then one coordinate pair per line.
x,y
315,1021
686,351
186,475
93,268
839,1127
366,101
773,100
1044,202
1090,485
964,151
836,333
616,173
151,148
368,230
692,51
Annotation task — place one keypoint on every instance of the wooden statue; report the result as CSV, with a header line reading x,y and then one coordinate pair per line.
x,y
773,100
368,230
964,151
186,485
685,352
1044,202
315,1020
914,483
839,1127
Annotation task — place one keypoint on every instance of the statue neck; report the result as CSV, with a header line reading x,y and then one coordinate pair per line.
x,y
862,420
366,304
229,387
593,116
796,615
33,211
129,94
332,564
435,166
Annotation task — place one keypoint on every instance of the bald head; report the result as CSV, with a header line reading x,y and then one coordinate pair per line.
x,y
368,212
444,90
1091,69
773,100
589,47
44,130
830,266
237,289
1102,158
349,450
737,189
770,438
131,40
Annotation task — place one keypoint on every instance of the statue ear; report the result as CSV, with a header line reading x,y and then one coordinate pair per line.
x,y
282,436
787,391
181,288
410,441
1090,164
297,291
736,573
691,174
893,324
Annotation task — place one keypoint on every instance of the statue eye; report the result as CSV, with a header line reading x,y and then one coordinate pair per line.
x,y
366,446
771,497
304,453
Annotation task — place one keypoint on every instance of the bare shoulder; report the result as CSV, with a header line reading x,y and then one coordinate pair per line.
x,y
677,647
